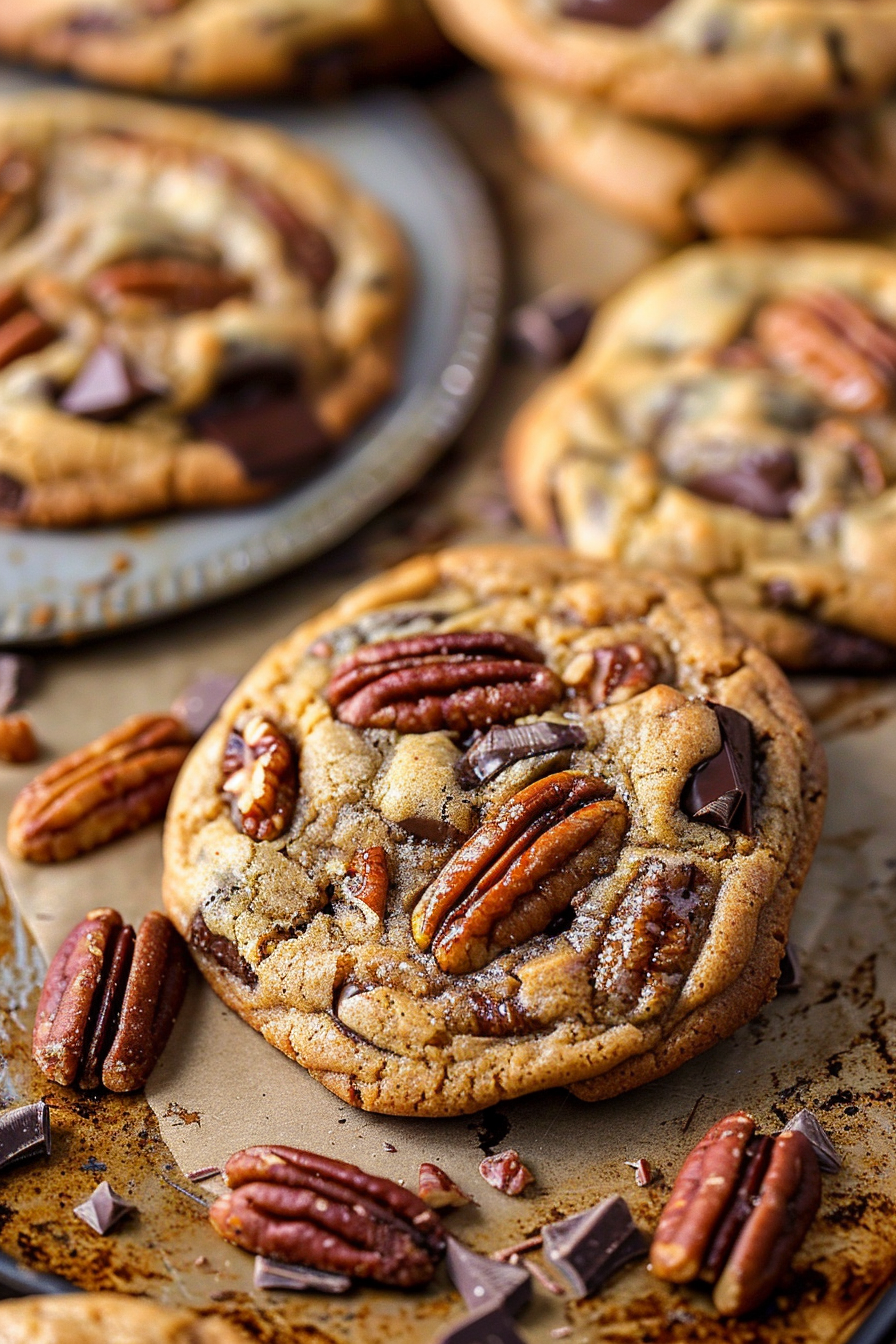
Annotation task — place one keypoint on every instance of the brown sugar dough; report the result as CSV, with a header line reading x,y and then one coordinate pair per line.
x,y
326,837
108,1318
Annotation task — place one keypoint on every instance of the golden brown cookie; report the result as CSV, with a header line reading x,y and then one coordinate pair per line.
x,y
503,819
731,417
708,64
194,312
109,1318
204,47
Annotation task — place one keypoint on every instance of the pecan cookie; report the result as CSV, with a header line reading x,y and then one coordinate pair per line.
x,y
829,174
502,819
701,63
731,416
109,1318
193,312
205,47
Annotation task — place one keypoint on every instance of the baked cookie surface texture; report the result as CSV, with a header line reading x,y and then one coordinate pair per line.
x,y
731,416
701,63
194,312
205,47
108,1318
503,819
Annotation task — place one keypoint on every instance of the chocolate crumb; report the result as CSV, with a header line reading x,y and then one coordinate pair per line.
x,y
389,1148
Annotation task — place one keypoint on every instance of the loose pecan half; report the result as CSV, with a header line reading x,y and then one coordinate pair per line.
x,y
519,870
261,777
117,784
621,672
176,284
17,741
310,1210
459,681
738,1213
109,1002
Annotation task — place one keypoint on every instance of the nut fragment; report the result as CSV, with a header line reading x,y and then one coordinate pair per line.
x,y
176,284
109,1002
437,1189
306,1209
17,741
519,870
506,1172
621,672
260,775
22,332
459,681
117,784
370,887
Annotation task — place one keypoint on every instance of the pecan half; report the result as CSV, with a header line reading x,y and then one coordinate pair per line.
x,y
17,741
621,672
370,887
506,1172
110,1001
22,332
459,681
310,1210
519,870
117,784
738,1212
261,776
173,283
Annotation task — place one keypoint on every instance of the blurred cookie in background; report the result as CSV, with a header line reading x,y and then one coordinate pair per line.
x,y
109,1318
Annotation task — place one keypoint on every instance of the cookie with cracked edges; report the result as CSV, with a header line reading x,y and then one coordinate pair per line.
x,y
194,312
502,819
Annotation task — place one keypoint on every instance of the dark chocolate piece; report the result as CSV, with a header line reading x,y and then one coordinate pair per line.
x,y
551,328
24,1133
12,492
18,676
104,1209
619,13
500,747
297,1278
807,1124
197,707
588,1247
491,1326
764,484
485,1283
224,952
791,977
719,791
104,388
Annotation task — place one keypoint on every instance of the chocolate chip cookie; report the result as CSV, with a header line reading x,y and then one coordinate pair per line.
x,y
194,312
708,64
829,174
731,416
109,1318
502,819
206,47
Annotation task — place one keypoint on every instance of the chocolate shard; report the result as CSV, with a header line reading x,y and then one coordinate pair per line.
x,y
500,747
18,677
485,1283
764,484
297,1278
619,13
588,1247
790,979
490,1326
807,1124
551,328
719,791
197,707
105,387
104,1209
24,1133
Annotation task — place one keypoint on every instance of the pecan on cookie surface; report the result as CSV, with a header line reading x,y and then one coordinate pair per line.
x,y
259,777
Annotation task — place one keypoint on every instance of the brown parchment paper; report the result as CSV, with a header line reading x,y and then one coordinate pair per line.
x,y
220,1086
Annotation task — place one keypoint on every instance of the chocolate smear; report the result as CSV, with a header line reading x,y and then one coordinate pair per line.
x,y
790,979
197,707
490,1326
807,1125
551,328
24,1134
297,1278
105,388
104,1209
588,1247
500,747
764,484
619,13
221,949
719,791
18,677
485,1283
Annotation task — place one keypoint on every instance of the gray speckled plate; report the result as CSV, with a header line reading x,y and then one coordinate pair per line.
x,y
59,585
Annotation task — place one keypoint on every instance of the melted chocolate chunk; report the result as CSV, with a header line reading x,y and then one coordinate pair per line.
x,y
619,13
24,1133
720,790
764,484
491,1326
104,1209
588,1247
500,747
105,387
807,1125
224,952
12,492
297,1278
487,1284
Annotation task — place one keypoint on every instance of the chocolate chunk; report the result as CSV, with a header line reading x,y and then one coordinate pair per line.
x,y
806,1123
620,13
484,1283
18,677
720,790
491,1326
104,1209
588,1247
790,978
833,649
24,1133
551,328
224,952
105,388
197,707
764,484
12,492
297,1278
500,747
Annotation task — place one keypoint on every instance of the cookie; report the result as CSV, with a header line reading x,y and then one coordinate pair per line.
x,y
830,174
708,64
731,416
209,47
109,1318
194,312
502,819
